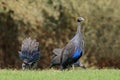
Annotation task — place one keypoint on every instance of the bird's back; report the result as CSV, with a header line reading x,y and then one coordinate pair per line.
x,y
29,50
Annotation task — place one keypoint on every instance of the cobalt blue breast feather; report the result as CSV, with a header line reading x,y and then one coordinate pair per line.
x,y
77,53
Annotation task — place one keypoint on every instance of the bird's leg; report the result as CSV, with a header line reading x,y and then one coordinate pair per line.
x,y
34,65
73,67
30,67
62,67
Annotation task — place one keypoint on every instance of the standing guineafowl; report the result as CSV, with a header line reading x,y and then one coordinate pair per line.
x,y
71,53
29,54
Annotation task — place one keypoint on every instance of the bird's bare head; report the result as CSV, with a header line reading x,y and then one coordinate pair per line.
x,y
80,19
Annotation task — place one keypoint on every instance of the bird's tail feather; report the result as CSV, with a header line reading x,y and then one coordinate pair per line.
x,y
57,51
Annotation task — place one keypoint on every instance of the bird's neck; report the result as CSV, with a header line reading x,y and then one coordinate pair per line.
x,y
79,28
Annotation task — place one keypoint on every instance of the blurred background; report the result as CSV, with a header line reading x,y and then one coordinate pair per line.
x,y
53,24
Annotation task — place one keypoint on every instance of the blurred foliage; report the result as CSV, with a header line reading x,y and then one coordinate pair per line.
x,y
53,24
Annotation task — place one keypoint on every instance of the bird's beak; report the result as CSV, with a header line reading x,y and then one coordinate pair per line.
x,y
82,19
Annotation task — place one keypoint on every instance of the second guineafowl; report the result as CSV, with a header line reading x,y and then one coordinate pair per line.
x,y
29,54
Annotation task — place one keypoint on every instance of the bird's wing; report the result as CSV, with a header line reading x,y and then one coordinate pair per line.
x,y
67,52
69,49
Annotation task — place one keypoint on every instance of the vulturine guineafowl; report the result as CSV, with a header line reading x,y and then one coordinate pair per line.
x,y
72,52
29,54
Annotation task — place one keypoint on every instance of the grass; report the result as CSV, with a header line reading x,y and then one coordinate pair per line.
x,y
104,74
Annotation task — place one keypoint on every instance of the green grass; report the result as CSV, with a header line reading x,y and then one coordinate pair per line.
x,y
104,74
